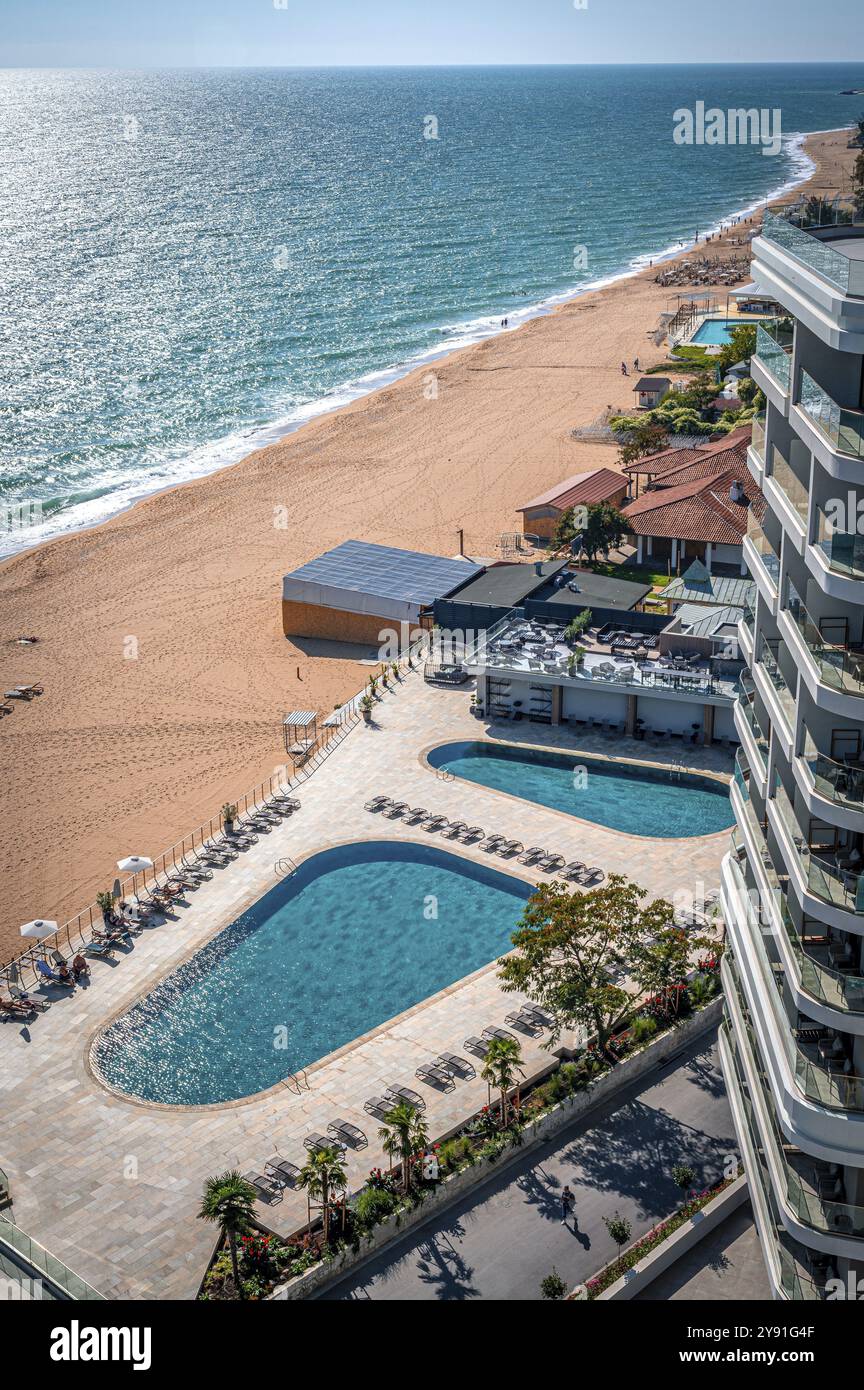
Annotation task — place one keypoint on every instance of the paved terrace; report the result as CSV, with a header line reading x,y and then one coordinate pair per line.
x,y
111,1186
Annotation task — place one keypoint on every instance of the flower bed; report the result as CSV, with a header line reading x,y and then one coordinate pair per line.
x,y
655,1237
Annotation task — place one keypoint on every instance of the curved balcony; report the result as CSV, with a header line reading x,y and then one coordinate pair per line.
x,y
766,660
842,271
835,879
811,1190
794,493
839,665
843,551
774,350
841,783
843,428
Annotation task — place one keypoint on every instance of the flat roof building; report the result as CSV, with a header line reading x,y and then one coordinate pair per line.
x,y
353,592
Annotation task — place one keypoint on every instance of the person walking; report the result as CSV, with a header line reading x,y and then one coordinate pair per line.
x,y
568,1202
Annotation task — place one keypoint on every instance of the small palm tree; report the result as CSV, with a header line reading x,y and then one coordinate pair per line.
x,y
227,1202
322,1175
404,1134
501,1068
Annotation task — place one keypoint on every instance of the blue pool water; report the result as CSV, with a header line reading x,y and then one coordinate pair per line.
x,y
356,936
621,796
715,331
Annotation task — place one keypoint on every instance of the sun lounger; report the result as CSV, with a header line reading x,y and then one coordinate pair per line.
x,y
489,1033
348,1134
16,695
402,1093
435,823
550,862
316,1142
455,828
50,976
457,1066
281,1172
290,803
434,1075
574,870
510,847
378,803
543,1019
532,854
479,1046
397,809
102,949
521,1018
14,1008
18,992
417,813
474,832
594,875
378,1105
491,843
265,1188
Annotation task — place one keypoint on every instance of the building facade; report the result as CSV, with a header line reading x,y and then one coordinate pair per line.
x,y
792,1042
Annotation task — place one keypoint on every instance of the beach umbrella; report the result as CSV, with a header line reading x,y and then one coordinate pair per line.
x,y
39,928
134,865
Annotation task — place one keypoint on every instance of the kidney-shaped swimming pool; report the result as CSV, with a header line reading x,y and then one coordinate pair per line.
x,y
358,934
624,796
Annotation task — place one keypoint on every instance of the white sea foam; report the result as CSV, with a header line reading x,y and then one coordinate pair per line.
x,y
108,498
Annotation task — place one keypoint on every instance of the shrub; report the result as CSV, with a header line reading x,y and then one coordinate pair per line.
x,y
553,1286
372,1206
643,1029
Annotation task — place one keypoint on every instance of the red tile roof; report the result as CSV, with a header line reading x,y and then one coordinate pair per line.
x,y
654,464
704,465
699,510
582,490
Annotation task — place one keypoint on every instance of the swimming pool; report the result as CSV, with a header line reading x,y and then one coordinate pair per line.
x,y
622,796
716,332
358,934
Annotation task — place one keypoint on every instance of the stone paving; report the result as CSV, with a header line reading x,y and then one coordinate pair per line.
x,y
111,1185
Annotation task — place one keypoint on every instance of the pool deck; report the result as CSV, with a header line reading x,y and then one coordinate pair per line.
x,y
111,1186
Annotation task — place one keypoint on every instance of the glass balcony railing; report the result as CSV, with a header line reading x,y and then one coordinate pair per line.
x,y
767,659
843,550
43,1262
747,711
833,877
795,492
774,351
758,538
840,783
841,271
758,439
839,665
801,1176
843,428
748,619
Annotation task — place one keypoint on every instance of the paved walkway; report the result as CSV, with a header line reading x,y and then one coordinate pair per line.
x,y
727,1266
112,1186
502,1241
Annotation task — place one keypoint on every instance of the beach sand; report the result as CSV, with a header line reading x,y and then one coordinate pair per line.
x,y
161,651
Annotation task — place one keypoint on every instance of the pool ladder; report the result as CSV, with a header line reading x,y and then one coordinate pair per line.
x,y
285,868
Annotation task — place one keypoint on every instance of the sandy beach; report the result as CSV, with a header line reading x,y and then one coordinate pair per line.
x,y
160,648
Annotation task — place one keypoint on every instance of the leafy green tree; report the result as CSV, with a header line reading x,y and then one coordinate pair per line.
x,y
403,1135
605,531
619,1229
569,946
660,966
322,1176
645,436
683,1176
740,348
502,1066
565,530
553,1286
228,1202
858,184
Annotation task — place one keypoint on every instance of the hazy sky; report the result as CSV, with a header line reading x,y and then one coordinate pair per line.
x,y
129,33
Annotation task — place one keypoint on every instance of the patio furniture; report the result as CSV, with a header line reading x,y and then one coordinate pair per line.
x,y
457,1066
574,870
543,1019
532,854
510,847
378,1105
490,843
474,832
456,827
594,875
478,1046
378,803
50,976
349,1134
434,1075
20,995
435,823
416,813
489,1033
267,1190
398,809
282,1172
316,1142
521,1018
550,862
403,1093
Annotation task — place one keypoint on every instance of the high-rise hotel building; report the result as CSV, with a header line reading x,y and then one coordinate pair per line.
x,y
792,1041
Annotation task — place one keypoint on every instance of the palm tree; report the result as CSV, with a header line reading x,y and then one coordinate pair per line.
x,y
227,1201
322,1175
405,1134
502,1066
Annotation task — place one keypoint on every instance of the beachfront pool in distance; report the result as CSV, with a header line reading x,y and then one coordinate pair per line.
x,y
622,796
716,332
356,936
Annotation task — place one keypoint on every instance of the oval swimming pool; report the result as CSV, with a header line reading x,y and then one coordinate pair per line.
x,y
356,936
622,796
